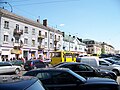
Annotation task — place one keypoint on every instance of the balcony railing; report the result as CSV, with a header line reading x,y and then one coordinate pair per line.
x,y
17,45
41,47
17,32
41,36
56,39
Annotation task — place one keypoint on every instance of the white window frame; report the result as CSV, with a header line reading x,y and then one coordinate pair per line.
x,y
5,39
6,24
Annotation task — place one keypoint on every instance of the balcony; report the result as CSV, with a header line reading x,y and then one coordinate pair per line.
x,y
17,45
17,32
41,47
41,36
56,39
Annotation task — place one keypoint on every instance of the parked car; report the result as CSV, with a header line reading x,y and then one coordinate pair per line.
x,y
111,60
66,79
101,64
33,64
17,62
12,82
7,67
86,70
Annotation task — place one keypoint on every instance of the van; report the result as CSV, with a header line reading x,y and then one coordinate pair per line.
x,y
62,56
100,64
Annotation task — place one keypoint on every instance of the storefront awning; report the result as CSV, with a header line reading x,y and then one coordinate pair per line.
x,y
16,51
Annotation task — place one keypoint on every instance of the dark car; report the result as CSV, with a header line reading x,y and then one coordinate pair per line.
x,y
86,70
66,79
33,64
20,83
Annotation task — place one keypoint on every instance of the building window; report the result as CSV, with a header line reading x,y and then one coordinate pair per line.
x,y
33,31
26,29
17,27
25,41
50,35
59,46
33,42
55,36
39,33
45,34
59,38
45,44
50,45
6,25
5,38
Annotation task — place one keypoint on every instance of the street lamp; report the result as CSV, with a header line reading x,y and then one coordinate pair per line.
x,y
9,5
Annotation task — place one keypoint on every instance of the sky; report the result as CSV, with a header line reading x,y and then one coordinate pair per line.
x,y
98,20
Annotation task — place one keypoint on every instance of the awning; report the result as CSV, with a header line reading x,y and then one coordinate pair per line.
x,y
16,51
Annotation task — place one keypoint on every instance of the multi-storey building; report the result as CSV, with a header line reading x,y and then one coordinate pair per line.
x,y
22,37
93,47
72,43
107,49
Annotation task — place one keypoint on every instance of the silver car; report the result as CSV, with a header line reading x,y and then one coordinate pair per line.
x,y
7,67
100,64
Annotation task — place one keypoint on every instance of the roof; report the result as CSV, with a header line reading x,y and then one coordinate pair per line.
x,y
68,38
5,13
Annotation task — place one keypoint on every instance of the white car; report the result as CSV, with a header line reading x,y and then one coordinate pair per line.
x,y
100,64
7,67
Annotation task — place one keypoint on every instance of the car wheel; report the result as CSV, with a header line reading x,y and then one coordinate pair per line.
x,y
116,71
17,71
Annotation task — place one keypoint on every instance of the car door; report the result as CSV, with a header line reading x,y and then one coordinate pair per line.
x,y
85,70
2,68
57,80
5,67
104,65
64,81
9,67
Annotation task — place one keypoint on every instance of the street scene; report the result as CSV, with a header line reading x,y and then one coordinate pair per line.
x,y
59,45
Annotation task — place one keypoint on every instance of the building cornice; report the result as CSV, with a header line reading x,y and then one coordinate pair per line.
x,y
7,14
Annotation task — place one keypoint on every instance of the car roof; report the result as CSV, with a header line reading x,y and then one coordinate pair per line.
x,y
33,60
15,82
90,57
50,69
68,63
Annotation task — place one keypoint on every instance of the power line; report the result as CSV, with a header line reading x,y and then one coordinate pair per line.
x,y
46,2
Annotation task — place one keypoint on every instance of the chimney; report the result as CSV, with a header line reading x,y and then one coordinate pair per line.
x,y
45,22
38,20
63,34
73,36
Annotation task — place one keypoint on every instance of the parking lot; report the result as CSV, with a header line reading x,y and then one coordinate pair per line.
x,y
118,78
